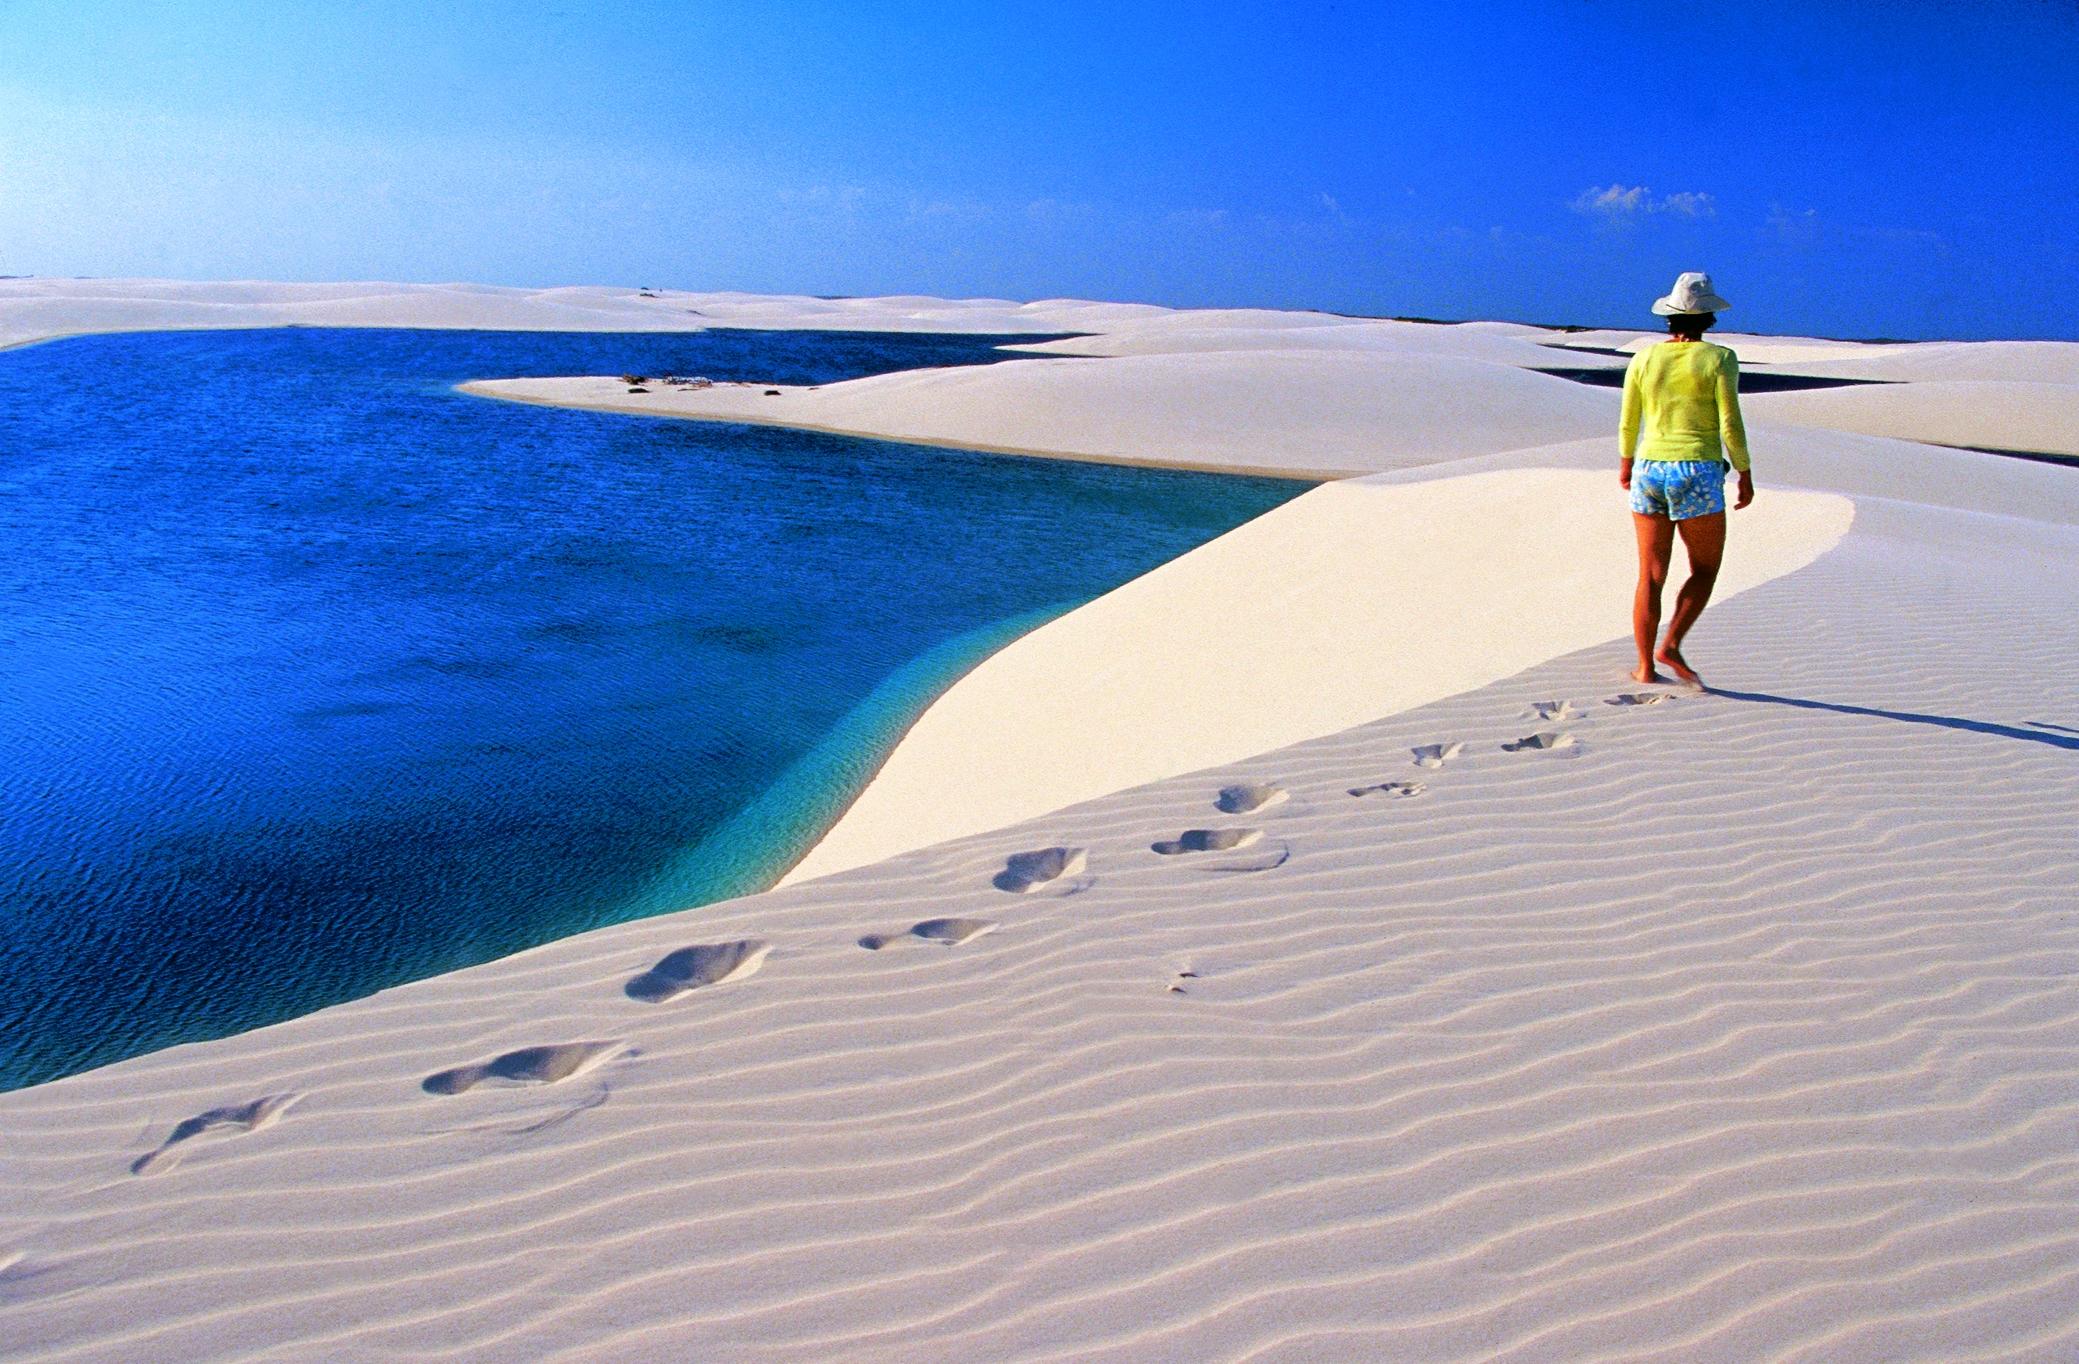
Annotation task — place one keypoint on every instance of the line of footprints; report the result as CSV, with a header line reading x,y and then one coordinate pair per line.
x,y
1060,868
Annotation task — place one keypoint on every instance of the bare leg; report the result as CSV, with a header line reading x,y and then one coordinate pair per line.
x,y
1703,537
1656,543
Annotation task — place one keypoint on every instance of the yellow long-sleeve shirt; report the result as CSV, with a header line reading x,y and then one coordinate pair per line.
x,y
1684,398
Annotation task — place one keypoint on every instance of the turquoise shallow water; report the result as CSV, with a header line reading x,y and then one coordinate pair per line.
x,y
317,677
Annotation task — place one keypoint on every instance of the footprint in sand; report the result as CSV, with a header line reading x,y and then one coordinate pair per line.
x,y
527,1066
1026,872
1176,984
689,968
945,932
1247,799
1552,710
230,1120
1641,698
1555,742
1397,789
1436,755
1207,840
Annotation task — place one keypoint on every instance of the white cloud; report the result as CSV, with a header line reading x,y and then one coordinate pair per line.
x,y
1617,201
1690,204
1622,203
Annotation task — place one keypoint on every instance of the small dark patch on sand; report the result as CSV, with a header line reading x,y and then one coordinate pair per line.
x,y
1751,381
2037,456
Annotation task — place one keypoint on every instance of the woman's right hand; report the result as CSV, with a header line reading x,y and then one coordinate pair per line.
x,y
1746,493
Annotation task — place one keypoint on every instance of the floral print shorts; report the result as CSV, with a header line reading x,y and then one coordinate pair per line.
x,y
1678,488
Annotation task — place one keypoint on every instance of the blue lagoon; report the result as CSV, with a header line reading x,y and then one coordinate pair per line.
x,y
317,677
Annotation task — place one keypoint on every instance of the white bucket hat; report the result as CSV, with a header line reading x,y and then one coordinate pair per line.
x,y
1692,294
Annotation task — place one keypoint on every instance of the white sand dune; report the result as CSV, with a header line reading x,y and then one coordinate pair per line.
x,y
2002,414
1354,600
1750,1033
2018,362
1182,333
1429,991
1314,414
35,309
2021,362
1790,351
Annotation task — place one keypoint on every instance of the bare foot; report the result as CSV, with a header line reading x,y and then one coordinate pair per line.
x,y
1679,665
1645,673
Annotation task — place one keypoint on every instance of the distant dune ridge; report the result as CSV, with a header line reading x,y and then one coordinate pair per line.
x,y
1318,948
33,309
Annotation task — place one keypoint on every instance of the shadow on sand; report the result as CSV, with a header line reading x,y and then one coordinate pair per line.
x,y
2040,732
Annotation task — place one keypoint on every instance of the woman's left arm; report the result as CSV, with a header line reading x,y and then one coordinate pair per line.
x,y
1732,429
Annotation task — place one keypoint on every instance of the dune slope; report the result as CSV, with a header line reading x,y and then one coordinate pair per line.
x,y
1706,1028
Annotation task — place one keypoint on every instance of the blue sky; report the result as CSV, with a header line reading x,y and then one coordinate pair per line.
x,y
1858,169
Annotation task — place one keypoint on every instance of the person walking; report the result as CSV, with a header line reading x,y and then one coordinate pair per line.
x,y
1680,423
